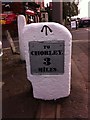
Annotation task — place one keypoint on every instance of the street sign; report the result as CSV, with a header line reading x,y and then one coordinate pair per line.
x,y
46,48
47,58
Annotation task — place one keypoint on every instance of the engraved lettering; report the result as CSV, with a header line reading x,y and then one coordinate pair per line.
x,y
46,69
46,46
41,53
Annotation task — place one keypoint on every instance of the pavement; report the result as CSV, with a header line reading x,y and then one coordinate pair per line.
x,y
17,93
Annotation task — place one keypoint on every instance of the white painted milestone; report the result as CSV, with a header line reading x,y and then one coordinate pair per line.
x,y
21,25
47,52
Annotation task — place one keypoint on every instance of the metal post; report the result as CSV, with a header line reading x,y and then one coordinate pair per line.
x,y
57,11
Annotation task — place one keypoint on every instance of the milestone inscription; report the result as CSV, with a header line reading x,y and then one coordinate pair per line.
x,y
46,58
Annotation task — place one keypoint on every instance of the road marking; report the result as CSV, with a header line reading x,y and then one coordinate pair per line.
x,y
88,29
75,30
80,41
80,30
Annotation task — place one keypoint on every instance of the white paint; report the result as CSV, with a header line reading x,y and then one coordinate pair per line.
x,y
1,53
21,25
48,87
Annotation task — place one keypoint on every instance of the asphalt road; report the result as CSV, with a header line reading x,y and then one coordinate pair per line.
x,y
81,34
